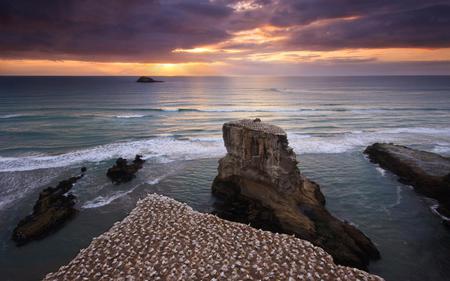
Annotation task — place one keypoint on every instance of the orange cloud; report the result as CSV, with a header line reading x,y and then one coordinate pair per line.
x,y
69,67
223,61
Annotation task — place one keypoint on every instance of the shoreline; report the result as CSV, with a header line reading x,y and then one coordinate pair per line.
x,y
164,239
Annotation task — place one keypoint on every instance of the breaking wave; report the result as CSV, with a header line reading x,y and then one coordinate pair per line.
x,y
8,116
327,107
167,149
131,116
163,149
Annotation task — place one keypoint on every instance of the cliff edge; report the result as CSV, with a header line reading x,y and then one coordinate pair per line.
x,y
163,239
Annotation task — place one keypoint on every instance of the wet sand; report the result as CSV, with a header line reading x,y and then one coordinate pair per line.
x,y
163,239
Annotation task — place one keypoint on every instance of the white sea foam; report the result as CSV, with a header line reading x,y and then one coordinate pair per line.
x,y
7,116
331,144
8,199
131,116
106,200
101,201
236,109
156,180
167,149
153,182
420,130
398,194
442,149
381,171
323,108
434,209
358,139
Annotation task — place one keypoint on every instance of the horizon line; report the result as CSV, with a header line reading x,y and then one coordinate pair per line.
x,y
236,76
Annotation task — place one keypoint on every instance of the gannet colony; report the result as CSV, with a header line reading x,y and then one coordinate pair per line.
x,y
163,239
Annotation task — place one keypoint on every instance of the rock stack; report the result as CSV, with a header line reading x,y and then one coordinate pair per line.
x,y
259,183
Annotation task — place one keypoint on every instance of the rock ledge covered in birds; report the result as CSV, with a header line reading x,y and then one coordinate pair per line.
x,y
427,172
163,239
259,183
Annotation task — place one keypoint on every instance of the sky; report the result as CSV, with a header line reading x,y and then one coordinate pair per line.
x,y
225,37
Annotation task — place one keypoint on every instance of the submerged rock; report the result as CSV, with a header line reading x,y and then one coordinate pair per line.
x,y
124,172
259,183
427,172
53,208
145,79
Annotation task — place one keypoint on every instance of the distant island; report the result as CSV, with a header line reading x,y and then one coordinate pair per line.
x,y
146,79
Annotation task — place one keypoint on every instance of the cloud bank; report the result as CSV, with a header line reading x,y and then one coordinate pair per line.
x,y
202,31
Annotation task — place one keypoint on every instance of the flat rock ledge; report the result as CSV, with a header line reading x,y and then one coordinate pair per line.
x,y
259,183
428,173
163,239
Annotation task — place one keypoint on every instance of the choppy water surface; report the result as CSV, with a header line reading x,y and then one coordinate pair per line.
x,y
49,127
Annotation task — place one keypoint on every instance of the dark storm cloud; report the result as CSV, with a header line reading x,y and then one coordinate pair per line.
x,y
307,11
427,27
148,30
103,30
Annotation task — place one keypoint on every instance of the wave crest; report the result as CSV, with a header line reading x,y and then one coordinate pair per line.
x,y
167,149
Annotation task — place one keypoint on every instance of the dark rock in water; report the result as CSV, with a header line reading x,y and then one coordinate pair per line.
x,y
427,172
124,172
53,208
83,169
259,183
145,79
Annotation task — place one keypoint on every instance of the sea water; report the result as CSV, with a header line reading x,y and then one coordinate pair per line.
x,y
51,126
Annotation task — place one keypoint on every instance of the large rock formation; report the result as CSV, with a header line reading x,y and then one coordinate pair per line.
x,y
427,172
53,208
259,183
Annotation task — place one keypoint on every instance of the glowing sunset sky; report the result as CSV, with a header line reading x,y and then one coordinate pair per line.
x,y
224,37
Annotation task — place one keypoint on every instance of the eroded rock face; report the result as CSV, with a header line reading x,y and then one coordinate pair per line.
x,y
53,208
124,172
259,183
427,172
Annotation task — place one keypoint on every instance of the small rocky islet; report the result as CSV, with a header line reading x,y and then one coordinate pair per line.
x,y
146,79
427,172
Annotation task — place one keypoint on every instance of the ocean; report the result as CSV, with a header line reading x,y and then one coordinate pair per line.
x,y
52,126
